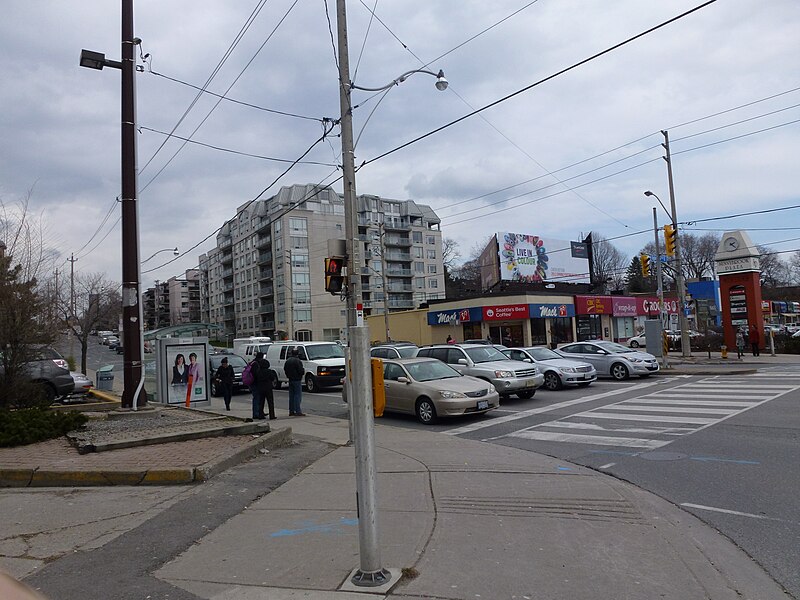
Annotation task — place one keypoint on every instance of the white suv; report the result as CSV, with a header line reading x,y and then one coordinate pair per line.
x,y
488,363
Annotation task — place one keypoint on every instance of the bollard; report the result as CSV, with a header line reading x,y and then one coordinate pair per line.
x,y
724,351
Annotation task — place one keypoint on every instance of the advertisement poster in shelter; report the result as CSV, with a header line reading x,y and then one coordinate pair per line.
x,y
534,259
186,366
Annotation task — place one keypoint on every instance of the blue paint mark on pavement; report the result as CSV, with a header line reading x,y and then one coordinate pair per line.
x,y
311,527
730,460
564,469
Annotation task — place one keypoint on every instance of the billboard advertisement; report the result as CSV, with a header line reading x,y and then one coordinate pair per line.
x,y
533,259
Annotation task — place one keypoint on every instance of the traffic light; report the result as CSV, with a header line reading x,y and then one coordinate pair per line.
x,y
670,233
334,276
644,259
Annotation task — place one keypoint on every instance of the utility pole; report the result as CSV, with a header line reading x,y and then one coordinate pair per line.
x,y
290,302
385,285
155,303
686,349
370,572
662,309
71,260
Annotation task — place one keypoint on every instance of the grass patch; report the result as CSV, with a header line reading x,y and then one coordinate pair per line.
x,y
31,425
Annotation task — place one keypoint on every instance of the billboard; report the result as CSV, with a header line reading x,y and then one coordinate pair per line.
x,y
534,259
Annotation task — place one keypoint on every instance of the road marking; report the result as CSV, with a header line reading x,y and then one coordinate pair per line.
x,y
728,511
720,397
535,411
608,466
730,460
672,402
631,405
598,427
654,418
601,440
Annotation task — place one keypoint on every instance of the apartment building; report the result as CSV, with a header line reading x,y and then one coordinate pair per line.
x,y
266,274
174,301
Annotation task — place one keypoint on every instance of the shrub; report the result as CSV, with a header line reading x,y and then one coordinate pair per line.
x,y
27,426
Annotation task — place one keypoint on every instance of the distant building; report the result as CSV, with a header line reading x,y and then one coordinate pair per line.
x,y
173,301
266,274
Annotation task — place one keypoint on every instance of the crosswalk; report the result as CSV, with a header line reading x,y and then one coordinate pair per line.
x,y
658,417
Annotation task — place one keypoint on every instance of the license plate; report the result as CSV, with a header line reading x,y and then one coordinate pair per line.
x,y
483,404
530,383
587,376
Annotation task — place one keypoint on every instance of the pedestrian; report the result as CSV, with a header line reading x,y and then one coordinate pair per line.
x,y
754,339
740,344
450,340
224,378
294,369
262,381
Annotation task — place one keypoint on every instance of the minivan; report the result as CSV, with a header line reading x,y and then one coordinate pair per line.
x,y
323,363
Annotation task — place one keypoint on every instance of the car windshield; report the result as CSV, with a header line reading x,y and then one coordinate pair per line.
x,y
320,351
406,351
487,354
431,370
614,348
234,360
543,354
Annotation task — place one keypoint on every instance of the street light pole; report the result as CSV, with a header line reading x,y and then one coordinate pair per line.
x,y
662,308
370,572
385,284
686,350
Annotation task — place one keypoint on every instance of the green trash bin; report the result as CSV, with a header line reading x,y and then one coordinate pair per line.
x,y
105,378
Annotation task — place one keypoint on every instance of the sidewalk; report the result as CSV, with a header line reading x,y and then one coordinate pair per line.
x,y
700,363
465,519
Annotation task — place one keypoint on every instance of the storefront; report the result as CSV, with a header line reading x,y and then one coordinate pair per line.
x,y
552,324
647,307
593,317
624,321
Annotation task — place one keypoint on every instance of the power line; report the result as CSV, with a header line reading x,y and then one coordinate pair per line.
x,y
744,214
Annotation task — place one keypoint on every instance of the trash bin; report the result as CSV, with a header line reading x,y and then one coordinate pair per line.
x,y
105,378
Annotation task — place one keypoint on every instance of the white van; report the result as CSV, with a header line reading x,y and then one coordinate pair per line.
x,y
323,362
247,347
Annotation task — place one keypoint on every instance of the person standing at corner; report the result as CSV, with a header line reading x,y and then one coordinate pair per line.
x,y
224,378
294,369
739,344
754,339
263,381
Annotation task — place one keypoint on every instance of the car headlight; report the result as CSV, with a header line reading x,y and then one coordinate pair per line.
x,y
451,394
636,360
567,369
504,373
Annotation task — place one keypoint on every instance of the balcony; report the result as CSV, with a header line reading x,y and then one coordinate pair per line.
x,y
391,240
399,256
226,257
396,226
227,287
400,288
267,290
399,273
263,240
226,273
265,257
393,303
265,274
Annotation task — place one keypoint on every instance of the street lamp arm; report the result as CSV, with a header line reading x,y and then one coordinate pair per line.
x,y
173,250
669,216
441,82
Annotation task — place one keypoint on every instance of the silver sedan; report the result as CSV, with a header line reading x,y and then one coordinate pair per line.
x,y
610,358
429,389
558,371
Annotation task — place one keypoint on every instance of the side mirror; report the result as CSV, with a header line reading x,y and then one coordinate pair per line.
x,y
462,361
527,360
403,379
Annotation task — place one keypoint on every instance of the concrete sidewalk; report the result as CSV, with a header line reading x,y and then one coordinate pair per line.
x,y
465,519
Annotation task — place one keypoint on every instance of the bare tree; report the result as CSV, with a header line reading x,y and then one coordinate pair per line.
x,y
96,300
794,268
774,271
609,265
450,253
697,252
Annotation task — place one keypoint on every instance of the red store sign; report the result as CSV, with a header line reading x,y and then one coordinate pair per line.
x,y
593,305
506,312
648,306
623,306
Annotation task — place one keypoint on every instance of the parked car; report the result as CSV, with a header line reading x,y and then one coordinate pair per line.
x,y
638,341
113,343
234,360
488,363
430,389
323,363
610,358
394,350
82,387
107,340
557,370
48,370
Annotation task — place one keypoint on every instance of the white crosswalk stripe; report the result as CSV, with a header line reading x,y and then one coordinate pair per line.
x,y
655,419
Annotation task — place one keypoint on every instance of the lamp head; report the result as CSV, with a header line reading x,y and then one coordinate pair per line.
x,y
92,60
649,193
441,82
175,251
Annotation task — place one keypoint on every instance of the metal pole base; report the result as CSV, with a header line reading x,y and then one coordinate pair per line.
x,y
371,579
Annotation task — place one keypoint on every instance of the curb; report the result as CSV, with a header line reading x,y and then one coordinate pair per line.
x,y
679,371
181,476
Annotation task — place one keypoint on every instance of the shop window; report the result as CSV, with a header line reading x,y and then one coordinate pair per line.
x,y
589,327
472,331
507,335
561,330
538,332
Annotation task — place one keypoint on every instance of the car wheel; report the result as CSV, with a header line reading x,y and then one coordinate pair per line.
x,y
426,411
311,384
634,344
48,393
526,395
552,381
619,371
276,383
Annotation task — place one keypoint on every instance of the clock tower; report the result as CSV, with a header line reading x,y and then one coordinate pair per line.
x,y
739,271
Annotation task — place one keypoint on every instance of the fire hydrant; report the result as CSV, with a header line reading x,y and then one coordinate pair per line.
x,y
723,349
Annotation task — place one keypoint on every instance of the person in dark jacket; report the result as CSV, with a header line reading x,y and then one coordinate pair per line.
x,y
754,339
224,378
294,369
262,384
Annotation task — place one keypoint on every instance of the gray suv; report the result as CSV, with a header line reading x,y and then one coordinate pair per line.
x,y
47,369
486,362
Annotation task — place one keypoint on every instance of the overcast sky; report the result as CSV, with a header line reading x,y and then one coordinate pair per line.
x,y
59,125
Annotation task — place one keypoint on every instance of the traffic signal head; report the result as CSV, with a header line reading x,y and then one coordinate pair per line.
x,y
334,275
670,233
644,259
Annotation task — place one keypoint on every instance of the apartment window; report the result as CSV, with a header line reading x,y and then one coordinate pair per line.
x,y
431,254
419,267
303,335
419,283
417,252
330,335
303,279
431,268
298,226
377,266
298,242
302,315
301,297
299,260
430,240
433,283
278,226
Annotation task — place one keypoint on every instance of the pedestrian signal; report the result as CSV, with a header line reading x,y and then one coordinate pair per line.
x,y
334,277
